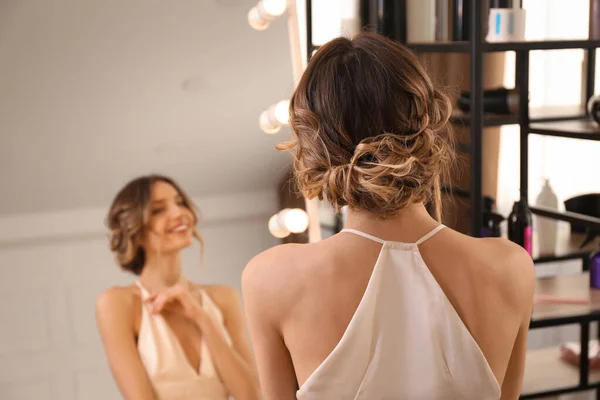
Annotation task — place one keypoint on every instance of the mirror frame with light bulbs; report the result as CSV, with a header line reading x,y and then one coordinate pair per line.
x,y
271,120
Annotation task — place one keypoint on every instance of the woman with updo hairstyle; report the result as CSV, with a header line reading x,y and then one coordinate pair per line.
x,y
165,337
395,306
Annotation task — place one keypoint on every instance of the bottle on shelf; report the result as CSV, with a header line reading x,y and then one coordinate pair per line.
x,y
420,19
520,225
595,268
496,101
593,107
546,228
491,219
594,24
461,21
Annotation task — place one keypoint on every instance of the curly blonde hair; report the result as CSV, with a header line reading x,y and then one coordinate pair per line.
x,y
129,216
369,129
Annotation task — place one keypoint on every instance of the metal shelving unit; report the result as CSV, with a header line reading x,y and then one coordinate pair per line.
x,y
566,122
585,129
574,124
537,115
548,375
573,218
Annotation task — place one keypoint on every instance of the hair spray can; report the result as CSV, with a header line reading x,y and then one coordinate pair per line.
x,y
520,225
595,270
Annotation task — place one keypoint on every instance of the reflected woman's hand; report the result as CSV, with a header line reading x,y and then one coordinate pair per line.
x,y
176,299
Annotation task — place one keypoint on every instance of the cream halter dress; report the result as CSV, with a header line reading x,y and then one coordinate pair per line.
x,y
170,372
405,340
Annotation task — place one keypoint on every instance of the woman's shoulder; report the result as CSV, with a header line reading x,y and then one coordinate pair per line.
x,y
118,299
117,305
275,266
509,266
494,253
274,278
504,254
280,259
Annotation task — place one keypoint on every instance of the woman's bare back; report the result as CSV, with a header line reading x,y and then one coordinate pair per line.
x,y
488,282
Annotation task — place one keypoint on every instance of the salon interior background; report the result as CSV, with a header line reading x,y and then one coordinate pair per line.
x,y
95,92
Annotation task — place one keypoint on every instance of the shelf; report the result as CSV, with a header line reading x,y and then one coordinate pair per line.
x,y
571,217
556,113
537,115
488,119
575,286
567,247
465,47
582,129
578,255
440,47
546,374
542,45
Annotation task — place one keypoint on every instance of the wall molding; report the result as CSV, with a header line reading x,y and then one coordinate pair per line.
x,y
88,223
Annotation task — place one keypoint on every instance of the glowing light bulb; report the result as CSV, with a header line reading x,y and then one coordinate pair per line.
x,y
288,220
256,20
281,112
260,16
276,228
295,220
267,124
271,120
274,7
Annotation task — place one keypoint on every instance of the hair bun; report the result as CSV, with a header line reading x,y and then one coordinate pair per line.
x,y
369,129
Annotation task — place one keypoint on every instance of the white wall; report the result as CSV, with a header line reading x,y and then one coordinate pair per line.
x,y
54,265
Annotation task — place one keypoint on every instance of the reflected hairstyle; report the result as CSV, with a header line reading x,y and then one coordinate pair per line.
x,y
129,217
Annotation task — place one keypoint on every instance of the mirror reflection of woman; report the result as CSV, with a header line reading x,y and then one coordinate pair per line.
x,y
165,337
395,306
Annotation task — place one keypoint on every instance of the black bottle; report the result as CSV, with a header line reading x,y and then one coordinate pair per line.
x,y
461,20
494,221
496,101
491,219
520,226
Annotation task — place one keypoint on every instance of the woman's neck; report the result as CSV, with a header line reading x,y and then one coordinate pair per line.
x,y
161,272
408,226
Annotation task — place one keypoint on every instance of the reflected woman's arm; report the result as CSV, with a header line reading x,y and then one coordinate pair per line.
x,y
234,363
113,317
274,363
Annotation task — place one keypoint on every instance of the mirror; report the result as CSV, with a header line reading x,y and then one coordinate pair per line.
x,y
94,94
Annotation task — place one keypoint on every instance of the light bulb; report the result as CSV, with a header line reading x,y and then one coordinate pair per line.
x,y
274,7
260,16
267,124
277,229
295,220
270,120
256,20
281,111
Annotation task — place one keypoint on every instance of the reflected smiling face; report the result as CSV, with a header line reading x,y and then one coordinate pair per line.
x,y
171,223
